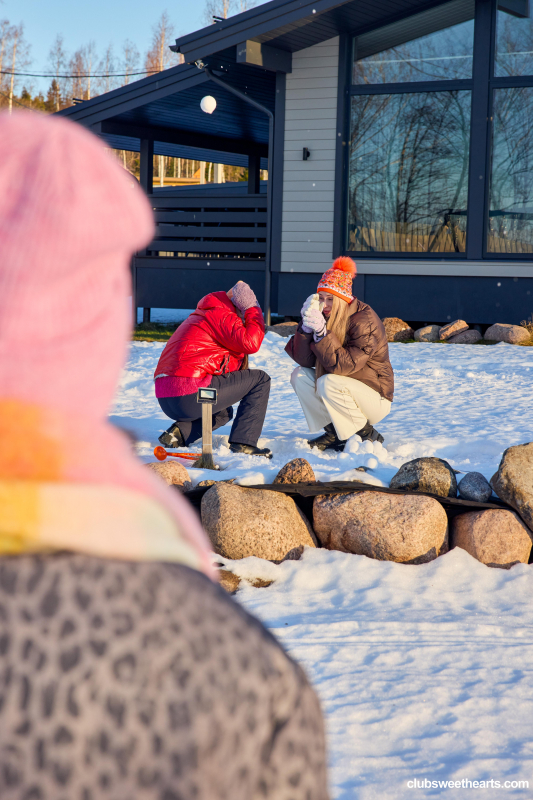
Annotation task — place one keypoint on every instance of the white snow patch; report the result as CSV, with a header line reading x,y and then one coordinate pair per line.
x,y
423,671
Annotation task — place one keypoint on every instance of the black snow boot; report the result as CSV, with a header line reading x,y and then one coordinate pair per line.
x,y
172,437
250,450
328,440
370,434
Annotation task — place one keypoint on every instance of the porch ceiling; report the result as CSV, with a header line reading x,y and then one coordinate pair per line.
x,y
167,108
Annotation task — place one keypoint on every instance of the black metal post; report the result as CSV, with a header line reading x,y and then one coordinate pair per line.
x,y
254,174
146,179
270,115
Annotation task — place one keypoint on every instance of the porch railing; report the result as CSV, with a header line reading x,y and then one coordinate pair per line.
x,y
229,227
204,242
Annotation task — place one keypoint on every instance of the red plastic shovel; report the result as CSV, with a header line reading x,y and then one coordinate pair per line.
x,y
160,453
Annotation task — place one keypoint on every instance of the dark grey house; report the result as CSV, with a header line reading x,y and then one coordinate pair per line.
x,y
397,131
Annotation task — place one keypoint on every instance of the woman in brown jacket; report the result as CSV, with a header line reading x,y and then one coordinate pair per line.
x,y
344,380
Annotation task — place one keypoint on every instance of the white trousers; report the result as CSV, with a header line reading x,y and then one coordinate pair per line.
x,y
345,402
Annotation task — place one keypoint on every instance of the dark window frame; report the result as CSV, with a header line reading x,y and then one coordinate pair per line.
x,y
482,86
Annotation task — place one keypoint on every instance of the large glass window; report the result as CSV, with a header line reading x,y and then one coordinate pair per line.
x,y
514,39
443,55
435,45
511,186
408,172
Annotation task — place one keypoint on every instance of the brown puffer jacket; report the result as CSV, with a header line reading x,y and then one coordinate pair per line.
x,y
364,356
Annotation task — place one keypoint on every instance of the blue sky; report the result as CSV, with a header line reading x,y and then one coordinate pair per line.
x,y
103,21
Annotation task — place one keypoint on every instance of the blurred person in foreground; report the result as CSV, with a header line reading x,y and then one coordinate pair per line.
x,y
126,672
344,380
211,348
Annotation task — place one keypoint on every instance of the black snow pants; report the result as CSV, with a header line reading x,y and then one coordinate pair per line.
x,y
249,386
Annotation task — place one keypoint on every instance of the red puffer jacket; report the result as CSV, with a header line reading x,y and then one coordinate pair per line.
x,y
212,340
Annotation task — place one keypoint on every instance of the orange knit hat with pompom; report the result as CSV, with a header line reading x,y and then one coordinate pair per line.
x,y
338,279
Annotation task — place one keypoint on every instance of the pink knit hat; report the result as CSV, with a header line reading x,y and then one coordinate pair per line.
x,y
70,218
338,280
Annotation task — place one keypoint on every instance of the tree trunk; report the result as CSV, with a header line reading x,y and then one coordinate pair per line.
x,y
13,63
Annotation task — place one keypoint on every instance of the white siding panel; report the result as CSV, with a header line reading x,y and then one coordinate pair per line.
x,y
302,105
303,202
321,123
296,217
304,227
327,82
308,186
312,186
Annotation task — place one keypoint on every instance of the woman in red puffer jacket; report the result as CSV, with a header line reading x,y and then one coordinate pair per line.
x,y
211,348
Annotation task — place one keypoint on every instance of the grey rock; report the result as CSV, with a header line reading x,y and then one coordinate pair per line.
x,y
514,480
430,333
426,475
173,473
496,537
244,522
512,334
229,581
474,486
452,328
397,330
402,528
284,329
466,337
296,471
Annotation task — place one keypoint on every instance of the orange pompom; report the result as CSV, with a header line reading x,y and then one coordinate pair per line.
x,y
345,264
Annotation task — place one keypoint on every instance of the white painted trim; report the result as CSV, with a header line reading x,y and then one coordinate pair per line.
x,y
480,269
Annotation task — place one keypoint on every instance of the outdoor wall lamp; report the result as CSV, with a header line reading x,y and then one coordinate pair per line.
x,y
306,153
208,104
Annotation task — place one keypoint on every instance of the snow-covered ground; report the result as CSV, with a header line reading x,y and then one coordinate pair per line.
x,y
425,672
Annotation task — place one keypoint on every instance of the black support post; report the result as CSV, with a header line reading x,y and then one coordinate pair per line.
x,y
480,130
254,174
146,170
147,165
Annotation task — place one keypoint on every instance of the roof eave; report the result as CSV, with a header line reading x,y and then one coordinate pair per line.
x,y
251,24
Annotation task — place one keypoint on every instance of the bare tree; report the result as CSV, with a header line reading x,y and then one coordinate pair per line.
x,y
16,55
57,60
106,68
130,60
82,66
160,57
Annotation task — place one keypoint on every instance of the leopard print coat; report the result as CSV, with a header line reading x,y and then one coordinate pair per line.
x,y
145,681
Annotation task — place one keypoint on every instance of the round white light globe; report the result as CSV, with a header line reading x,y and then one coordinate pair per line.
x,y
208,104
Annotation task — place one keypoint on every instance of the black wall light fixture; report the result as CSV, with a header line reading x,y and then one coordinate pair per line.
x,y
306,153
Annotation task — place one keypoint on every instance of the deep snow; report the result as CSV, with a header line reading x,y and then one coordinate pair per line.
x,y
424,671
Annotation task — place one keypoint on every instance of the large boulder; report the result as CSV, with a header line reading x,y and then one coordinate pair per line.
x,y
514,480
244,522
466,337
388,527
296,471
474,486
429,333
426,475
397,330
452,329
284,329
512,334
496,537
172,473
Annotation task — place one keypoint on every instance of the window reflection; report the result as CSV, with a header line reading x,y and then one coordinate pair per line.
x,y
443,55
511,188
408,172
514,42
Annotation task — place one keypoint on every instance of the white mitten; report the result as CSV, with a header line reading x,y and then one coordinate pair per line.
x,y
310,304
